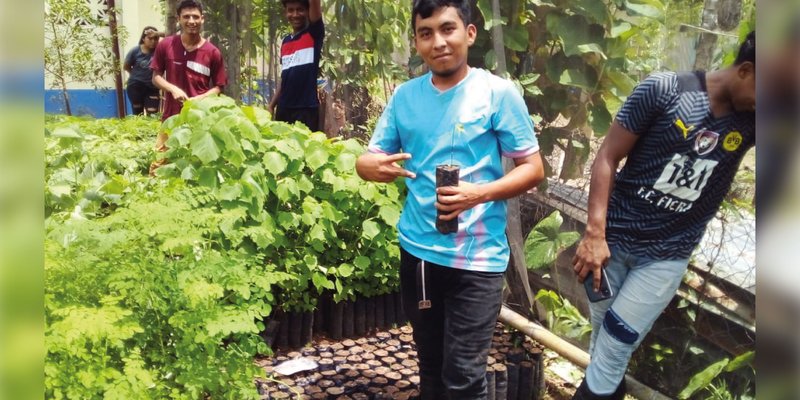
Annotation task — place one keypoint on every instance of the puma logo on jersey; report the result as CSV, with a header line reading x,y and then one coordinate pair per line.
x,y
679,123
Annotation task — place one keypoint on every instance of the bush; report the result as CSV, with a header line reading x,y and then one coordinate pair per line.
x,y
158,288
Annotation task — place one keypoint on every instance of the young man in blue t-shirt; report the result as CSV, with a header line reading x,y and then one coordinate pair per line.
x,y
683,137
452,283
296,97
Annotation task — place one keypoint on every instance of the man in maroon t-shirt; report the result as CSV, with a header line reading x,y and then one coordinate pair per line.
x,y
186,66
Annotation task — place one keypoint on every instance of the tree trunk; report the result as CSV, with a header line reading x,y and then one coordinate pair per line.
x,y
729,14
705,45
497,40
65,95
171,19
112,24
232,52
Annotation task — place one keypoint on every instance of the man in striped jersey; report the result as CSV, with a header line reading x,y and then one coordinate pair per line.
x,y
296,97
683,136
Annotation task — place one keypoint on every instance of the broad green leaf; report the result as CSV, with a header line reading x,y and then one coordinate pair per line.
x,y
179,136
304,184
367,191
595,11
620,29
362,262
741,361
591,48
546,240
645,10
288,220
317,233
345,162
516,38
703,378
573,30
345,270
207,176
204,147
621,81
60,190
370,229
66,132
338,286
575,77
321,282
230,191
246,129
222,130
600,119
288,148
257,115
274,163
490,59
528,79
262,235
390,214
549,299
485,8
316,156
310,260
190,115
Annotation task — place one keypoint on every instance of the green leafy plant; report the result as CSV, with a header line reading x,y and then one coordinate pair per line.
x,y
144,303
546,241
91,164
177,274
563,318
290,195
703,379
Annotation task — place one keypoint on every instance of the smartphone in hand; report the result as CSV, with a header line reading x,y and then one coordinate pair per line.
x,y
605,290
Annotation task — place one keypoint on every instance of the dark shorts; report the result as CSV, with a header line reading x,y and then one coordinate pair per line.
x,y
143,97
308,116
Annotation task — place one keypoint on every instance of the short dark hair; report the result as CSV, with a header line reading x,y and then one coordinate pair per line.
x,y
189,4
144,32
425,8
747,51
303,2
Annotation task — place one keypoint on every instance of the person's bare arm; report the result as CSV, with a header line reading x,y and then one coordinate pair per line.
x,y
527,173
380,167
314,10
162,83
592,253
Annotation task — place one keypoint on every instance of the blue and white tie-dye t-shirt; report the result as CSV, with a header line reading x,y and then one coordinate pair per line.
x,y
472,123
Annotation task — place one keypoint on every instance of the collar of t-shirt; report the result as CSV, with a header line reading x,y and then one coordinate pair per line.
x,y
461,82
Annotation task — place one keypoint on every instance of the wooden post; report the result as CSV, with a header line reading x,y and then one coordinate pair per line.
x,y
112,24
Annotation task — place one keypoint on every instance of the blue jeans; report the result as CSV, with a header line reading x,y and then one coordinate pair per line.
x,y
642,288
453,336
